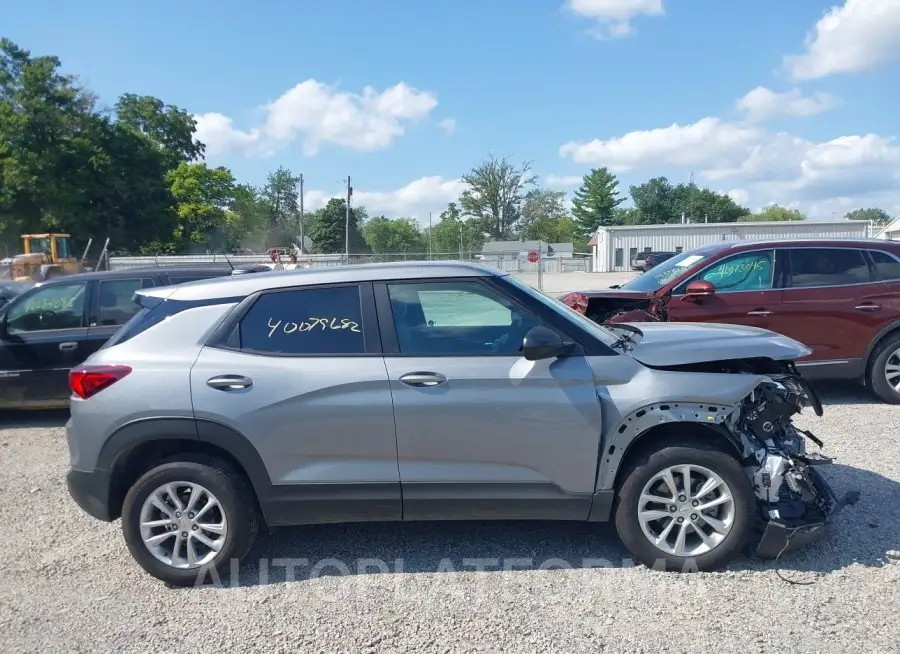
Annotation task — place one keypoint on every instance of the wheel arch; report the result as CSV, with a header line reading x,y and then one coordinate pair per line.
x,y
880,337
651,426
137,446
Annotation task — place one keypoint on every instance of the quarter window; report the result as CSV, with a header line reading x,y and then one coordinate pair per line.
x,y
750,271
60,306
812,267
456,318
888,267
116,306
315,321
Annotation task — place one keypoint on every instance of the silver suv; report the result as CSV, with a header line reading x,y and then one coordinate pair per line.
x,y
435,391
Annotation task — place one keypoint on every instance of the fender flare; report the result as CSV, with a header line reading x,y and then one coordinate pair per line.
x,y
893,327
617,445
146,430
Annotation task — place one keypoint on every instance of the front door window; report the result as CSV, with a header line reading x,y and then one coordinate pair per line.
x,y
749,271
60,306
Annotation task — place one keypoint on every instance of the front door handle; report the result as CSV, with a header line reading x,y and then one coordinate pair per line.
x,y
69,346
760,312
867,307
423,379
229,382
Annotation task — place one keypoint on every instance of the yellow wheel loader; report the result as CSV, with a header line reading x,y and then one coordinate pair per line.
x,y
44,256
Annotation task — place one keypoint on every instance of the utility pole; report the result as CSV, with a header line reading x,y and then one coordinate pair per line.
x,y
302,243
347,222
430,230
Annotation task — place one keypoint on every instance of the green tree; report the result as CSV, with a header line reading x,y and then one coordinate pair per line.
x,y
281,197
327,228
700,205
169,128
495,194
655,201
878,217
454,237
386,236
659,202
247,219
202,196
545,217
595,202
774,212
626,216
65,166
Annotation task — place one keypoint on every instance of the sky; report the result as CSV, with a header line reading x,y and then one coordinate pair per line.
x,y
772,101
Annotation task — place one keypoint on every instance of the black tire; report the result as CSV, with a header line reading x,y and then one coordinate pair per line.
x,y
648,464
875,378
235,495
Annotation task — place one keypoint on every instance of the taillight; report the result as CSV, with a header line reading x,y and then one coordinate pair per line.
x,y
87,381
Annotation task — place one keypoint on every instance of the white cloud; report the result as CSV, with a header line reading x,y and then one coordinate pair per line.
x,y
858,36
613,17
448,125
414,200
317,114
762,104
767,166
739,195
708,141
564,180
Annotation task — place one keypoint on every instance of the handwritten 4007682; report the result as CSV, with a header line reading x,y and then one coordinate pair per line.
x,y
312,324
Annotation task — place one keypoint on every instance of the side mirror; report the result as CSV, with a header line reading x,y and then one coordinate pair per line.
x,y
700,288
544,343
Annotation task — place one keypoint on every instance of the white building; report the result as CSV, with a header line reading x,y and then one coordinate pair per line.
x,y
613,248
891,231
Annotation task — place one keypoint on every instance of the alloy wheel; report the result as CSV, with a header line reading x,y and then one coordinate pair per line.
x,y
686,510
183,525
892,370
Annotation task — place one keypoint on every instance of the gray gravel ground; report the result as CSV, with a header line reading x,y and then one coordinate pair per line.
x,y
67,582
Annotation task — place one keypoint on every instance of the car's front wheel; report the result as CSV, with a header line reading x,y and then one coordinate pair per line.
x,y
685,507
186,520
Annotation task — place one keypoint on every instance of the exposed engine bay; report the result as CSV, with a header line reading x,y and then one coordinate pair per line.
x,y
610,309
794,500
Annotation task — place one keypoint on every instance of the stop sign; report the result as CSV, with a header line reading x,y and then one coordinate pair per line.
x,y
533,256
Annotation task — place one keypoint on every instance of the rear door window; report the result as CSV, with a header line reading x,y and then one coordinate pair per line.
x,y
817,267
887,267
115,303
309,321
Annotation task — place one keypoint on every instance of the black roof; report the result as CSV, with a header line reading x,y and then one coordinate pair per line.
x,y
207,270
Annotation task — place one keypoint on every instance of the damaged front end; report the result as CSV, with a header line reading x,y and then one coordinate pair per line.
x,y
794,501
617,308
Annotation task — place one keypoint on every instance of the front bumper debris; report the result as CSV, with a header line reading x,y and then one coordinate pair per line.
x,y
785,535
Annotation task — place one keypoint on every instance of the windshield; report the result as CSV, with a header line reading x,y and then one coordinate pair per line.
x,y
665,272
39,245
603,333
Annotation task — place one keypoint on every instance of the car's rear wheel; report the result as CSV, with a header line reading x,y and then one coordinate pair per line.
x,y
685,507
883,371
185,521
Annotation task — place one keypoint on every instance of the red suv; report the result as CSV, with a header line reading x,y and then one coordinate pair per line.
x,y
841,298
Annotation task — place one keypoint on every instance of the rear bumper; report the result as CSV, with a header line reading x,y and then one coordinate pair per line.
x,y
781,536
90,490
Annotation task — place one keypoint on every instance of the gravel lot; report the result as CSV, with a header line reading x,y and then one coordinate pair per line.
x,y
67,582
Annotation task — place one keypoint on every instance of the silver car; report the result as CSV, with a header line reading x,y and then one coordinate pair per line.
x,y
435,391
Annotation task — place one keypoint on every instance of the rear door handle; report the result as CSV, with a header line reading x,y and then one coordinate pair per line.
x,y
423,379
867,307
760,312
229,382
69,346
